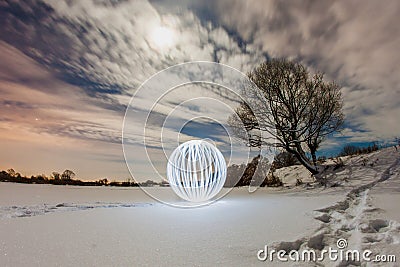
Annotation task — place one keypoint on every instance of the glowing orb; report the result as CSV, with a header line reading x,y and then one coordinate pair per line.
x,y
196,171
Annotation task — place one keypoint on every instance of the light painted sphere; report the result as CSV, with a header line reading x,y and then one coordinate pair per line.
x,y
196,171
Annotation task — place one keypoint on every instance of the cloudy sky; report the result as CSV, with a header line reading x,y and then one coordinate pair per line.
x,y
68,69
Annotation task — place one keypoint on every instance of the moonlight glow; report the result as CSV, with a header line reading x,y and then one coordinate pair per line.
x,y
162,37
196,171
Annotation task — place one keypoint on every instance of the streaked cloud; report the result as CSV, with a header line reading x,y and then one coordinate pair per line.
x,y
353,42
68,68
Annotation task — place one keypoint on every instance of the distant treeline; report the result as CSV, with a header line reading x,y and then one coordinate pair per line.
x,y
349,150
67,178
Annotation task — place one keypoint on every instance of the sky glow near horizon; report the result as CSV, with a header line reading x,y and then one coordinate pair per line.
x,y
69,68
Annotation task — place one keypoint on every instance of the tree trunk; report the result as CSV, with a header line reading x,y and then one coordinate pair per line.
x,y
306,164
300,156
314,158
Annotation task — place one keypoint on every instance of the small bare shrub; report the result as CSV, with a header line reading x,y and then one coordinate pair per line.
x,y
338,163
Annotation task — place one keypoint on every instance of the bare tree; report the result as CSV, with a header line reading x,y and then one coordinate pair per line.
x,y
301,109
284,159
325,117
55,175
67,175
349,150
11,172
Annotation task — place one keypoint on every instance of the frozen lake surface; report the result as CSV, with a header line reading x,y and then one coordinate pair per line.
x,y
111,226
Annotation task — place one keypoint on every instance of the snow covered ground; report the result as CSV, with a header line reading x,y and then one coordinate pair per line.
x,y
45,225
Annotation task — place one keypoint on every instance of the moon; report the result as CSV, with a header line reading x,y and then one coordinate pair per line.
x,y
162,38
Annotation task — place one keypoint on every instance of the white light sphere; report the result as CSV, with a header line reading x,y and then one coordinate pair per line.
x,y
196,171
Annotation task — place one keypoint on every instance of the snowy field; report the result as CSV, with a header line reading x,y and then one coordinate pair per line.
x,y
46,225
